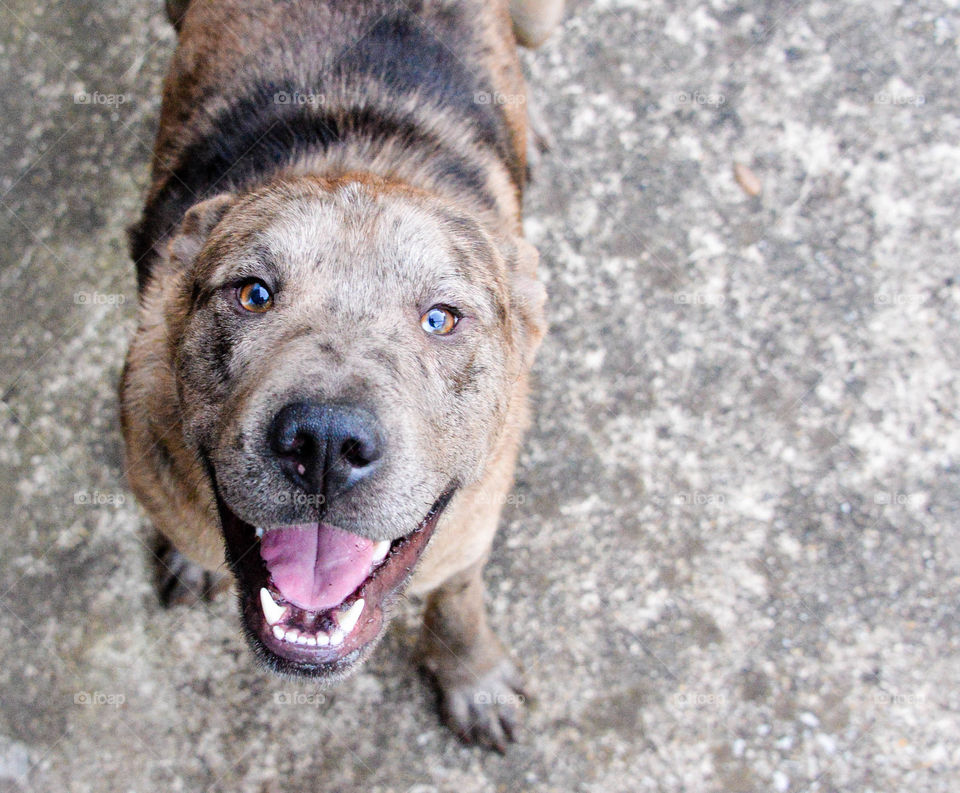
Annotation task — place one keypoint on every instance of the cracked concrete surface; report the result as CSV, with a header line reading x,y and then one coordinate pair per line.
x,y
733,560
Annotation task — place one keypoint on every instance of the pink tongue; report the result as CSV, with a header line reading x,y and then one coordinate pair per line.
x,y
315,566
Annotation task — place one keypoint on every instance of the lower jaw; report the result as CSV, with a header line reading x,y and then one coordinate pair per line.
x,y
342,652
330,662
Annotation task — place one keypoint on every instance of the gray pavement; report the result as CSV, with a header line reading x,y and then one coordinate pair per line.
x,y
733,563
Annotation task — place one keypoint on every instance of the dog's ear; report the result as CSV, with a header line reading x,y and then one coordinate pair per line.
x,y
196,226
527,295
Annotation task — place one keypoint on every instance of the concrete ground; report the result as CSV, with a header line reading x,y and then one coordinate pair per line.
x,y
733,560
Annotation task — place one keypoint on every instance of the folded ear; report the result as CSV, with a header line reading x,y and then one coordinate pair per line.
x,y
197,224
527,295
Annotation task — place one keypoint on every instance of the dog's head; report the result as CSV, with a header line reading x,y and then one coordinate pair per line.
x,y
344,354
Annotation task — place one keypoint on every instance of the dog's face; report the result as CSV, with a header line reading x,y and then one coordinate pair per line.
x,y
344,355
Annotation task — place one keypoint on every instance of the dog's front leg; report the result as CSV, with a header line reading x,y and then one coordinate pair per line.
x,y
481,694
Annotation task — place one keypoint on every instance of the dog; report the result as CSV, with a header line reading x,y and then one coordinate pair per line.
x,y
337,315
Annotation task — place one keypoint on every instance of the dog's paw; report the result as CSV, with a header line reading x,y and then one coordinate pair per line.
x,y
488,710
181,582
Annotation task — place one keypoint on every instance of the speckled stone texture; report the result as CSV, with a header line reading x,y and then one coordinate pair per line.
x,y
732,560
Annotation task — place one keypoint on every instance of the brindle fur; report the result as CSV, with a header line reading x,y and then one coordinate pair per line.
x,y
393,184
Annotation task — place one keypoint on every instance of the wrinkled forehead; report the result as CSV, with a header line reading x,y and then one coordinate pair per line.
x,y
356,233
350,236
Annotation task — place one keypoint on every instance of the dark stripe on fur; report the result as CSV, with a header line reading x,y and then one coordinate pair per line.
x,y
408,56
256,135
255,138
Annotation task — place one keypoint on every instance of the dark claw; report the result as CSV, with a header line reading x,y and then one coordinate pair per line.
x,y
487,711
180,582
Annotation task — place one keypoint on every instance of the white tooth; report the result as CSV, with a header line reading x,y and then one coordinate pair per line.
x,y
380,551
337,637
322,639
301,639
271,609
291,635
347,618
259,532
312,641
278,631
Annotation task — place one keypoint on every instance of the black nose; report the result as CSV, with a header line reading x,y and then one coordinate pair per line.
x,y
323,448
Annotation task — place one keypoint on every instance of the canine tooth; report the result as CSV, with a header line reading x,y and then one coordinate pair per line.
x,y
380,551
271,609
259,532
347,618
278,631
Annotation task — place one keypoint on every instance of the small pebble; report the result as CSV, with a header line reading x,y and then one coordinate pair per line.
x,y
809,719
747,179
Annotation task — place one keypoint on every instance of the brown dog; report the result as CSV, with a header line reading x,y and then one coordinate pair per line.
x,y
337,318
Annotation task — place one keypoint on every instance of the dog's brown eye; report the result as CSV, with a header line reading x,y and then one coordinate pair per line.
x,y
254,296
439,321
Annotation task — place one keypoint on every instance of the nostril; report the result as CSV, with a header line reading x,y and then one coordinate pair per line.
x,y
356,453
298,446
304,445
350,451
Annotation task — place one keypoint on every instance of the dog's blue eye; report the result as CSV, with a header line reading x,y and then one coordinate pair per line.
x,y
254,296
439,321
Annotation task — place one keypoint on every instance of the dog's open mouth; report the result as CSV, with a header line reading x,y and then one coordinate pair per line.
x,y
313,596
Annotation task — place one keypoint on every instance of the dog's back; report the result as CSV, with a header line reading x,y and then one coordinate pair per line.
x,y
428,94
